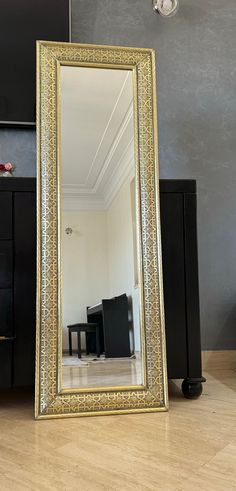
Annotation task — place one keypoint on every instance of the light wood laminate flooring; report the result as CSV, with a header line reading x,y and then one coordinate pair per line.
x,y
193,447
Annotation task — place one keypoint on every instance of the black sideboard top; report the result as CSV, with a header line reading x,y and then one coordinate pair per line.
x,y
178,186
18,184
29,184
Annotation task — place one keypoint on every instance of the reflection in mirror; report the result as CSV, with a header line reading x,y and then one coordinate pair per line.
x,y
101,335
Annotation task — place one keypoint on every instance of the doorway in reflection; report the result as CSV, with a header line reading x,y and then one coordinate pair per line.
x,y
101,336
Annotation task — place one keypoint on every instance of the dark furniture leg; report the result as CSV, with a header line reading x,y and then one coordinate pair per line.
x,y
192,387
79,345
87,343
192,384
97,342
70,343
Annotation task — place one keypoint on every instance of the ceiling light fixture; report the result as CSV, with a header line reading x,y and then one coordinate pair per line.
x,y
166,8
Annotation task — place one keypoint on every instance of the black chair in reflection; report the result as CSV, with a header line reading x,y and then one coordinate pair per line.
x,y
88,327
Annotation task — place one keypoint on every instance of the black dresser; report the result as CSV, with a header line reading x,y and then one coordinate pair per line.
x,y
18,282
180,276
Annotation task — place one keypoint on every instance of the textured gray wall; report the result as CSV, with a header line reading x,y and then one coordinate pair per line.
x,y
196,53
19,146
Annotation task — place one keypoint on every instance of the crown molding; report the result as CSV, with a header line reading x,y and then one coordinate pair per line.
x,y
101,195
125,128
76,199
121,102
71,203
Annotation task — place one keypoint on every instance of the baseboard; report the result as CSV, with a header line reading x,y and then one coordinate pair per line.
x,y
219,360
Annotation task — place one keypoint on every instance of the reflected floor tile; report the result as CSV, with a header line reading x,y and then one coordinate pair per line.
x,y
95,372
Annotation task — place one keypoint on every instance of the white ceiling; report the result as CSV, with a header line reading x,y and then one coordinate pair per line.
x,y
97,132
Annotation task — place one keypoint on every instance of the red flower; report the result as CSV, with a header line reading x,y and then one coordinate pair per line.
x,y
6,167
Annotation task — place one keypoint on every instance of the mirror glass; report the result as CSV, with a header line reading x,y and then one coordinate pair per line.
x,y
100,296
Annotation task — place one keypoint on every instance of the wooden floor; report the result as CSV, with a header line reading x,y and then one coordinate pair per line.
x,y
193,447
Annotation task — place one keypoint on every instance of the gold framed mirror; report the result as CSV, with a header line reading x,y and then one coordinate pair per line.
x,y
100,316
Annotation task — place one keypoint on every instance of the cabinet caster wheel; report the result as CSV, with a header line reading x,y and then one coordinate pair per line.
x,y
192,388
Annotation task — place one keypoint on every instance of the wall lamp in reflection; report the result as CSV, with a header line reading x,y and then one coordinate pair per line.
x,y
166,8
68,231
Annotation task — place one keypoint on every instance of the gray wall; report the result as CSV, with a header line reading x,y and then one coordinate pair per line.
x,y
196,56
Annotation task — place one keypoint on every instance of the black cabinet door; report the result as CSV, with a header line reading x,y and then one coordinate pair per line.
x,y
5,364
6,267
6,214
24,287
173,256
6,312
6,293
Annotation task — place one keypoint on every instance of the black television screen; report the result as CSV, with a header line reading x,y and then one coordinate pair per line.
x,y
22,22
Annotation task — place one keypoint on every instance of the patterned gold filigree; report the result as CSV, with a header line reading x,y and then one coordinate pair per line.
x,y
50,402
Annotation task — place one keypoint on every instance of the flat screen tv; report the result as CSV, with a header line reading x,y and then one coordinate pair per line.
x,y
22,22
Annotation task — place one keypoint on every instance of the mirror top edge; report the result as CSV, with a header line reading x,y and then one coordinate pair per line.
x,y
52,44
100,65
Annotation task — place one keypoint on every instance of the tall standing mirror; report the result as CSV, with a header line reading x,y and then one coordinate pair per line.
x,y
100,332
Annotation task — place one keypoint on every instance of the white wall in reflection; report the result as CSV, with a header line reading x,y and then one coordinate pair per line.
x,y
98,261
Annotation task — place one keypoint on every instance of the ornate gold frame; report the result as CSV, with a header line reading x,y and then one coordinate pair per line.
x,y
50,400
